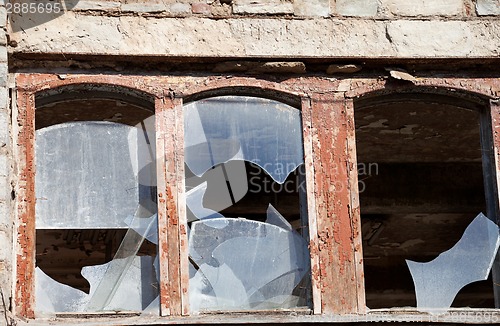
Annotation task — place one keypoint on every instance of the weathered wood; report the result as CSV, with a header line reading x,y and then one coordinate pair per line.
x,y
490,143
181,200
311,204
25,201
168,219
354,207
339,286
161,177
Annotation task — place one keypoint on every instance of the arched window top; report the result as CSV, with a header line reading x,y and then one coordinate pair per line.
x,y
437,95
268,93
91,91
261,131
90,102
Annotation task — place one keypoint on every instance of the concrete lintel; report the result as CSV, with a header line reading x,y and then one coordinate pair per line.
x,y
73,33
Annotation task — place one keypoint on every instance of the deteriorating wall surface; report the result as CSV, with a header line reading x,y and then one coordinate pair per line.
x,y
217,32
277,28
6,218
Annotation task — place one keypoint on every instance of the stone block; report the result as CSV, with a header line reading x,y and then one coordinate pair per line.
x,y
425,38
4,97
180,9
143,7
3,16
488,7
201,8
4,129
4,75
6,222
97,5
320,8
264,7
357,8
4,165
424,7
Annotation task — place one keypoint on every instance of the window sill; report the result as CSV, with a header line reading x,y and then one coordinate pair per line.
x,y
393,315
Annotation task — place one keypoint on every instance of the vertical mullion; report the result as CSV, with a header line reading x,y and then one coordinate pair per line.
x,y
169,226
311,204
25,202
183,241
490,143
160,121
335,229
352,168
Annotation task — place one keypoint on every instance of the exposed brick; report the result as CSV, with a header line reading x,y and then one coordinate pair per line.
x,y
357,8
488,7
425,7
201,8
319,8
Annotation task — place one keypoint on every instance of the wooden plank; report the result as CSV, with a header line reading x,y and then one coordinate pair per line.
x,y
354,207
160,121
490,148
311,204
181,201
335,232
25,201
171,173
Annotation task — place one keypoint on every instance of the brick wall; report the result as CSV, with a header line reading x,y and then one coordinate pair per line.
x,y
5,163
299,8
271,29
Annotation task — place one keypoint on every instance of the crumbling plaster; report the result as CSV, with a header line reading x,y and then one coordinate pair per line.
x,y
264,30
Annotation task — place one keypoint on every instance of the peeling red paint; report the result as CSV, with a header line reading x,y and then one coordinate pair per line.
x,y
335,248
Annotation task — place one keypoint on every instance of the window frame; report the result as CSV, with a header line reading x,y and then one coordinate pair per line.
x,y
330,154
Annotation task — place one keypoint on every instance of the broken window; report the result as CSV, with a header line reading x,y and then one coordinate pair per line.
x,y
96,211
425,242
246,205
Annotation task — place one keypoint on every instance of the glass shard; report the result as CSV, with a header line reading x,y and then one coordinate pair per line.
x,y
52,296
118,268
194,201
261,131
93,175
438,282
137,291
245,263
275,218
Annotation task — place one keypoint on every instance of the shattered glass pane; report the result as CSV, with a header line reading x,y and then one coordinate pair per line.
x,y
93,175
113,276
245,264
261,131
136,292
438,282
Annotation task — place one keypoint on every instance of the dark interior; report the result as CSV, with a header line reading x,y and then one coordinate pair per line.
x,y
421,184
